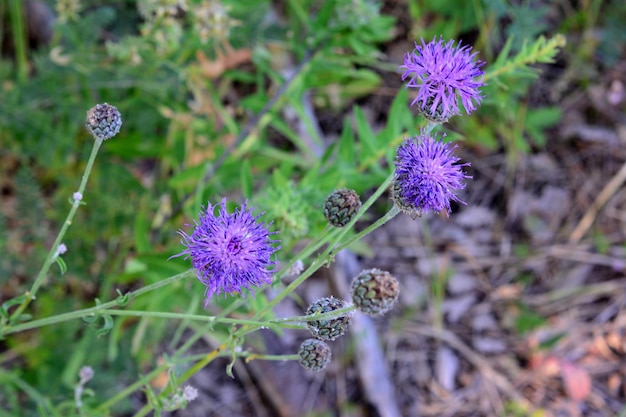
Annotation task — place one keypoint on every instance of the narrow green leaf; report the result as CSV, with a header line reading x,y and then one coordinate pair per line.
x,y
62,265
365,133
400,116
246,179
141,232
346,152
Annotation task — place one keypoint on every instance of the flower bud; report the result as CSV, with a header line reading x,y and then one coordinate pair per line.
x,y
341,206
411,211
374,292
314,355
190,393
329,329
86,373
103,121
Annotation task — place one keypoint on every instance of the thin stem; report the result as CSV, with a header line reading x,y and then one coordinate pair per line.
x,y
186,375
105,406
252,326
311,247
93,310
196,317
393,212
52,254
16,13
304,254
252,356
324,257
340,312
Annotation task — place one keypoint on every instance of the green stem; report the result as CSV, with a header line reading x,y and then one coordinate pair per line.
x,y
282,322
393,212
252,356
16,12
72,315
197,317
52,254
186,375
310,248
105,406
325,256
340,312
314,267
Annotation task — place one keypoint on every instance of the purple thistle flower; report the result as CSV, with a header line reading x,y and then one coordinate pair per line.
x,y
427,175
443,73
229,252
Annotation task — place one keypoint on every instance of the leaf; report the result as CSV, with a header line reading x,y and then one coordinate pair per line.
x,y
539,119
400,117
576,381
345,150
4,310
528,320
141,232
541,51
246,179
62,265
365,132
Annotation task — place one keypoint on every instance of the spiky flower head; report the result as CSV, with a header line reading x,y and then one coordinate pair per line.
x,y
314,355
230,252
341,206
328,329
443,74
427,175
374,292
103,121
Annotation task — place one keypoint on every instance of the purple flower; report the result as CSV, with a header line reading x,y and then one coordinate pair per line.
x,y
427,176
443,73
229,252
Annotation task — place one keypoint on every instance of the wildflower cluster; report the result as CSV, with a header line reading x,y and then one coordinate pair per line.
x,y
233,252
428,176
373,292
233,248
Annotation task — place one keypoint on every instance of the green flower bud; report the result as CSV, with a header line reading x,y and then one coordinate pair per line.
x,y
341,206
329,329
103,121
314,355
411,211
374,292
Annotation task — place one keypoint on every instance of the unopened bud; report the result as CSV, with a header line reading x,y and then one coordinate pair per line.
x,y
341,206
396,197
374,292
328,329
103,121
314,355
